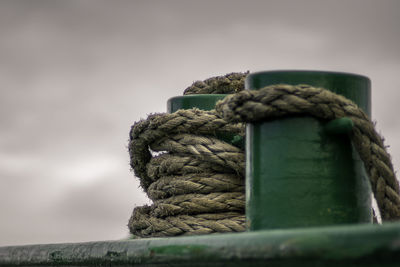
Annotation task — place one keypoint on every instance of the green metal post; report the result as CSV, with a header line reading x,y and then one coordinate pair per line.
x,y
303,172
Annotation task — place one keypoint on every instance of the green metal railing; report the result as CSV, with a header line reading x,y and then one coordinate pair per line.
x,y
349,245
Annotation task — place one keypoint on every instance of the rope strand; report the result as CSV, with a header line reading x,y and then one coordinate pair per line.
x,y
286,100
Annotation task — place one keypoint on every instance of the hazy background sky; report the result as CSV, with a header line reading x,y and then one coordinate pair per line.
x,y
75,75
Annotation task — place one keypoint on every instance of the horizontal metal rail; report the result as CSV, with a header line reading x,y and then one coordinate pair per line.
x,y
347,245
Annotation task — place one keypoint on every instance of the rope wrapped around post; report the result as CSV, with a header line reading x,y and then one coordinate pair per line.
x,y
196,183
278,101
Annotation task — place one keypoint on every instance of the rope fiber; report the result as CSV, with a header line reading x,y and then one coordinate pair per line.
x,y
286,100
196,181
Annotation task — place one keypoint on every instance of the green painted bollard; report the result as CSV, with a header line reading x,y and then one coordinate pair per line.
x,y
303,172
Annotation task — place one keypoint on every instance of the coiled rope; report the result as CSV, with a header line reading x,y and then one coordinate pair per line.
x,y
197,183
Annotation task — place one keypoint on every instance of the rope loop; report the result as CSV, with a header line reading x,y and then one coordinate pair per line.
x,y
282,100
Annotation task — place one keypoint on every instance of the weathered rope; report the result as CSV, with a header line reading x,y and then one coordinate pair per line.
x,y
144,224
228,84
201,183
197,182
160,132
286,100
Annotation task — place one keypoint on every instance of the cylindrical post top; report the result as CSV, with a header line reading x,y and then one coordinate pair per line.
x,y
352,86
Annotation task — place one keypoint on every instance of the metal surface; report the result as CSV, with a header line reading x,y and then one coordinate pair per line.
x,y
302,171
356,245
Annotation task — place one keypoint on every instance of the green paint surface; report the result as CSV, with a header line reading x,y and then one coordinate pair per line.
x,y
339,126
347,245
300,171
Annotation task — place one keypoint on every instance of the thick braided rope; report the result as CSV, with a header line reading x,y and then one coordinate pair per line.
x,y
146,225
161,131
228,84
201,183
286,100
197,182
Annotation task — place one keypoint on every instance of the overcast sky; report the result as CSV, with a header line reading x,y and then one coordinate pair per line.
x,y
75,75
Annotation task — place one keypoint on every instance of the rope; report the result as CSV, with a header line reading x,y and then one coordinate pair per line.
x,y
146,225
160,131
285,100
228,84
196,181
